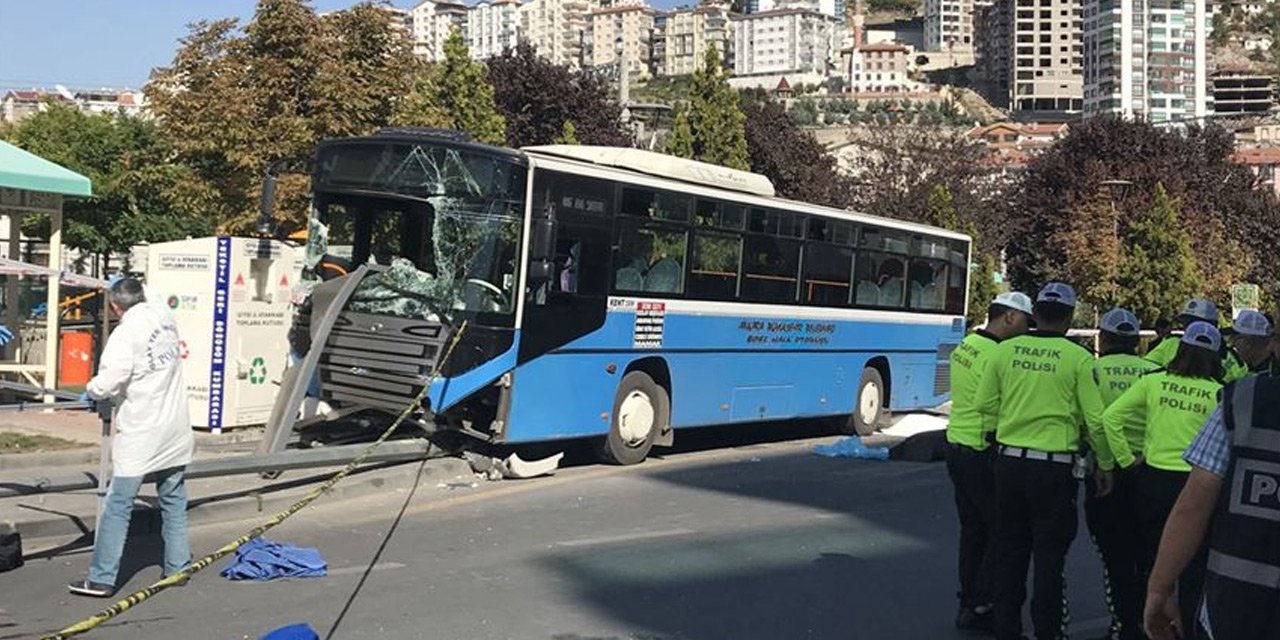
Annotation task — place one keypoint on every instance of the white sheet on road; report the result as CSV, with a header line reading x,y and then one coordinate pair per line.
x,y
914,423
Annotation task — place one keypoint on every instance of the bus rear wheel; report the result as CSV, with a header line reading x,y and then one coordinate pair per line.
x,y
868,409
641,408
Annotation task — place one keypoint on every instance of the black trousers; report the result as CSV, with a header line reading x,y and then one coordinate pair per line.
x,y
1158,490
1113,525
1036,518
973,478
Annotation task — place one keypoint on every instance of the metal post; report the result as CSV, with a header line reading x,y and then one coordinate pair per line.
x,y
13,290
105,410
52,299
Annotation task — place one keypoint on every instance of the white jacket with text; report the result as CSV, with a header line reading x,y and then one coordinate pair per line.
x,y
141,371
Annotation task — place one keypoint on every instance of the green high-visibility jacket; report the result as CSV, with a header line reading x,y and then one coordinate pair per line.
x,y
1170,409
1164,352
965,425
1233,369
1039,388
1116,373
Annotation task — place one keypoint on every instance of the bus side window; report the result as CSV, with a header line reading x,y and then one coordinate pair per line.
x,y
649,260
582,256
827,271
770,270
716,259
880,280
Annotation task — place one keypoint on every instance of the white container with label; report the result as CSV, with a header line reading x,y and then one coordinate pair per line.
x,y
230,297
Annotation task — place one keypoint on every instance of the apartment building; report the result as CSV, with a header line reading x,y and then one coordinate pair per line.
x,y
622,32
493,27
1239,90
1146,59
879,68
949,25
557,29
1032,58
834,8
432,23
784,41
681,38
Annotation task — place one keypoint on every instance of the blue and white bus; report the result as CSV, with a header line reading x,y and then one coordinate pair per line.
x,y
620,294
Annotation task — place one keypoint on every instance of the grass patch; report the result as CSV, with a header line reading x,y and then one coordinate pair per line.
x,y
22,443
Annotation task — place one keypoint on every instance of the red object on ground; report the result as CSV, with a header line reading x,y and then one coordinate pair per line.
x,y
75,361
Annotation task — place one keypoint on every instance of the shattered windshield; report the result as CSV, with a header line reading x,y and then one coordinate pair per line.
x,y
444,222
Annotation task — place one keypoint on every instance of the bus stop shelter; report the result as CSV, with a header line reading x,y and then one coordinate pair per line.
x,y
31,185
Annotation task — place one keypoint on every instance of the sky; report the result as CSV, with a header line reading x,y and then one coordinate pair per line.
x,y
91,44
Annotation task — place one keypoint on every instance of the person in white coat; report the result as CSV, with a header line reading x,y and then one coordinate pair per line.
x,y
141,372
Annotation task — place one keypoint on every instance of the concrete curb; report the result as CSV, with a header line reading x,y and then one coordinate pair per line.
x,y
250,502
73,457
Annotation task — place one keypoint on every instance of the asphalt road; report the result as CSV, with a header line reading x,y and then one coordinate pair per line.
x,y
763,540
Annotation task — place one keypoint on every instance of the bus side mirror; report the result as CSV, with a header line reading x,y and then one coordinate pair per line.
x,y
542,250
542,244
540,271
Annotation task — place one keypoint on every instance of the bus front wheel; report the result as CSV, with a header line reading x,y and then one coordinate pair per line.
x,y
641,408
868,409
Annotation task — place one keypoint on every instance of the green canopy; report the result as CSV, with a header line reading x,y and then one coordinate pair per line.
x,y
22,170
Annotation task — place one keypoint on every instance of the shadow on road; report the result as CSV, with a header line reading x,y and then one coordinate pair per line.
x,y
869,553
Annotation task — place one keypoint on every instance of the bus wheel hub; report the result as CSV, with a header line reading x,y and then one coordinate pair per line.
x,y
869,403
635,418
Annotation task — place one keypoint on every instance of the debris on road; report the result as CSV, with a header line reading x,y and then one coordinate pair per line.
x,y
512,467
851,447
263,559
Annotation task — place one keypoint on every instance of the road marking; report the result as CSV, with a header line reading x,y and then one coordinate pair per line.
x,y
626,537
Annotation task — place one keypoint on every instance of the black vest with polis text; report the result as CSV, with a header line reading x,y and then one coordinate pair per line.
x,y
1242,588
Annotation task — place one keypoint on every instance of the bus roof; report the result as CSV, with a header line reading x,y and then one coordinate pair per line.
x,y
662,166
657,165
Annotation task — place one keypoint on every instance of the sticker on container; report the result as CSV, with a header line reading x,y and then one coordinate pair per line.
x,y
650,318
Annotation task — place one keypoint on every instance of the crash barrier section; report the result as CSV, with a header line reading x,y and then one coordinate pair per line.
x,y
142,595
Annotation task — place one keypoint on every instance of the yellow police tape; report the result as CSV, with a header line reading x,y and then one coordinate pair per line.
x,y
144,594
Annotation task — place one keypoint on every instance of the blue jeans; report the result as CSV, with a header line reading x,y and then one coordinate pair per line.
x,y
113,524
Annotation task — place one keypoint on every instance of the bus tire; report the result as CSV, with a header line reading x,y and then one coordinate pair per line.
x,y
640,409
868,405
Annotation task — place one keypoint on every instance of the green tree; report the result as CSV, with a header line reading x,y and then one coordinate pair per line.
x,y
455,94
804,112
568,134
1159,273
715,121
537,97
982,287
1094,251
680,142
140,194
236,99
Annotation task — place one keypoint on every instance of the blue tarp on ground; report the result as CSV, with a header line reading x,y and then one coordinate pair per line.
x,y
851,447
263,559
293,632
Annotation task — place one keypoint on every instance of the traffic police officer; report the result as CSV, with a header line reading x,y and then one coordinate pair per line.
x,y
1170,405
1199,309
1251,341
969,457
1038,388
1234,484
1111,519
